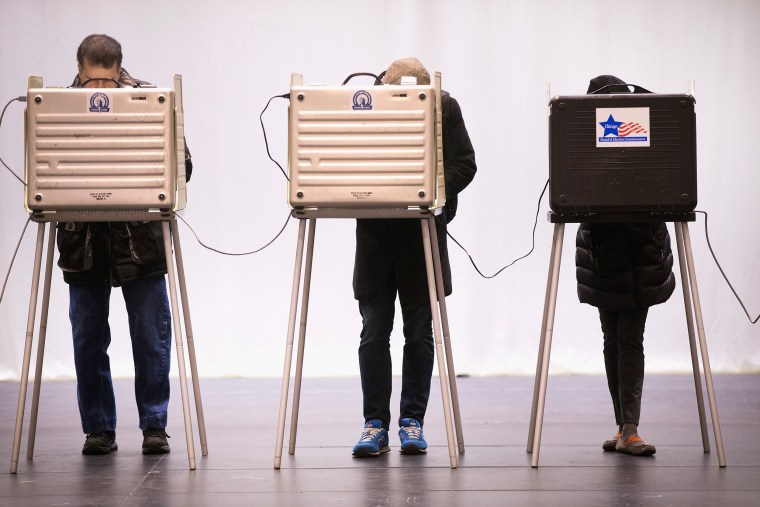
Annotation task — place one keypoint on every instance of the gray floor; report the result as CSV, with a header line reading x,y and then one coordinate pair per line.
x,y
241,416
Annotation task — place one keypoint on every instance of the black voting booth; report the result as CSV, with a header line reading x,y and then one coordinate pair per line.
x,y
624,158
100,155
622,153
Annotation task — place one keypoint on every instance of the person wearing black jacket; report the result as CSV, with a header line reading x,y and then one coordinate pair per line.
x,y
623,269
390,260
96,256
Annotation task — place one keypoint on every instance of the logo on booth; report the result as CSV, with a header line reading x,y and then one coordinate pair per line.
x,y
99,103
627,126
362,101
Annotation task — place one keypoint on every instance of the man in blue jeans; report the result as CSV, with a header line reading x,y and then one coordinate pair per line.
x,y
389,260
99,255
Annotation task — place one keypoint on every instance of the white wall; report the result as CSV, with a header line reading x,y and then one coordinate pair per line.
x,y
496,58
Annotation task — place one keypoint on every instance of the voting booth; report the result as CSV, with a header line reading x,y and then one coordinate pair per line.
x,y
102,155
624,158
368,152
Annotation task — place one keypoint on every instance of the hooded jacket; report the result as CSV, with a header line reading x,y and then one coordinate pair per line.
x,y
623,266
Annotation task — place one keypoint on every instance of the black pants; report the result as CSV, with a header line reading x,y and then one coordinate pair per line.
x,y
624,360
375,357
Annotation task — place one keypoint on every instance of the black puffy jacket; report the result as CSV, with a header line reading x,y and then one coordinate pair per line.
x,y
624,266
393,247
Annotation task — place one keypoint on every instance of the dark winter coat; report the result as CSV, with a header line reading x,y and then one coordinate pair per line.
x,y
393,247
624,266
113,253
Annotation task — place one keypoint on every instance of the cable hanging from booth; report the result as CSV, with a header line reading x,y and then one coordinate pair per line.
x,y
532,247
266,142
20,99
13,258
709,246
287,220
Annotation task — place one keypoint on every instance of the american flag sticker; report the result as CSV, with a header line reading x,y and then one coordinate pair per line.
x,y
622,126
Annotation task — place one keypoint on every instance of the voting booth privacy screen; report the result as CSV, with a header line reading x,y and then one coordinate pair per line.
x,y
622,153
104,149
365,147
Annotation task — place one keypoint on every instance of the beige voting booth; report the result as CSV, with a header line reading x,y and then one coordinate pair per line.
x,y
100,155
366,152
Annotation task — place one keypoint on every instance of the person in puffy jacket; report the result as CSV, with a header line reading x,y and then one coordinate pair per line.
x,y
623,269
96,256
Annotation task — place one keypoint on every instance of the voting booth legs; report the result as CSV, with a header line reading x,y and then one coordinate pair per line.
x,y
691,303
443,351
171,236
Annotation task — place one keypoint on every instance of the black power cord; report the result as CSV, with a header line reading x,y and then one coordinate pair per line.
x,y
753,321
20,99
532,247
235,254
8,274
266,143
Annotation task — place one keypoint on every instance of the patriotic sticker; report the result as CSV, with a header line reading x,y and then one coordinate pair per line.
x,y
622,126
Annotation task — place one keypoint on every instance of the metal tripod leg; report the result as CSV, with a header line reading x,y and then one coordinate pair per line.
x,y
438,342
539,361
554,265
27,348
190,341
446,334
302,336
692,340
703,347
179,345
41,342
289,344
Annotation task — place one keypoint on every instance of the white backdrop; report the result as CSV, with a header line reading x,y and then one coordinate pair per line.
x,y
496,58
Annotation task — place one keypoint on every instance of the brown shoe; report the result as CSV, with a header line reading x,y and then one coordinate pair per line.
x,y
102,442
154,441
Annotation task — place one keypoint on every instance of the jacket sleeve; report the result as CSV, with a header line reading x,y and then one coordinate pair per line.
x,y
458,154
188,163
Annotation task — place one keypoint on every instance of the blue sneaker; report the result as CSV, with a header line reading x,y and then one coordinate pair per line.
x,y
374,440
412,441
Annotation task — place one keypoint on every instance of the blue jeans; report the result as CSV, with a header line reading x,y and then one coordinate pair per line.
x,y
375,357
150,328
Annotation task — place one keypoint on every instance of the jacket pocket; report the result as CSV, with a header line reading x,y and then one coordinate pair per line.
x,y
74,241
145,242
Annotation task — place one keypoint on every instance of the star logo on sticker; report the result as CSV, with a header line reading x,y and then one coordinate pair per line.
x,y
610,127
